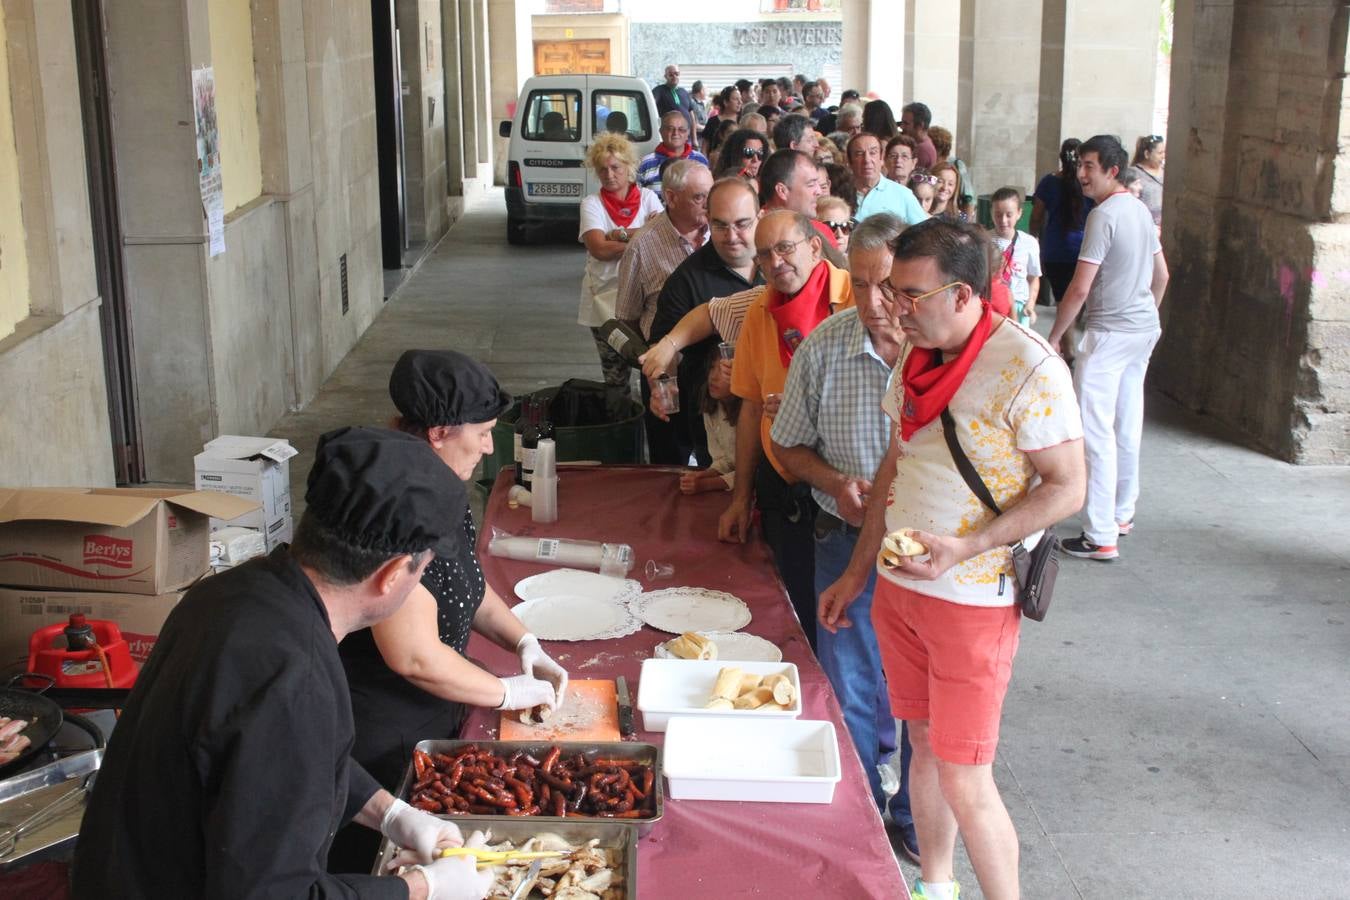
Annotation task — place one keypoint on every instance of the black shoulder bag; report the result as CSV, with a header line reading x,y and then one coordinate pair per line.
x,y
1035,569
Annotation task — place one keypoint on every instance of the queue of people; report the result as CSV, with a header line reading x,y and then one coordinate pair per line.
x,y
846,326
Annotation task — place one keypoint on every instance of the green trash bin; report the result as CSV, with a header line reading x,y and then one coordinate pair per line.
x,y
613,443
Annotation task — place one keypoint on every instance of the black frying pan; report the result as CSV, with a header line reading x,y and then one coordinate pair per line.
x,y
44,719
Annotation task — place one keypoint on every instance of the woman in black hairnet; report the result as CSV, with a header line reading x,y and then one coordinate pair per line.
x,y
409,678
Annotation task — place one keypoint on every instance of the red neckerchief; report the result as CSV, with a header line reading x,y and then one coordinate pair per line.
x,y
1007,272
623,210
929,384
684,154
798,316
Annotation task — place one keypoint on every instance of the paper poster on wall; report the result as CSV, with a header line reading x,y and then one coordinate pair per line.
x,y
208,156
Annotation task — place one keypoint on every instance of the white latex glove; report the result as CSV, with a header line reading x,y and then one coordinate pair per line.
x,y
419,833
458,877
534,661
527,692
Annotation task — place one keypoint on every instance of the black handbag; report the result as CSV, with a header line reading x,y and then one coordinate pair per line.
x,y
1035,569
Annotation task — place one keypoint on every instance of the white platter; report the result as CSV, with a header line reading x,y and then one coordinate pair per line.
x,y
577,583
681,687
682,609
763,760
734,646
576,618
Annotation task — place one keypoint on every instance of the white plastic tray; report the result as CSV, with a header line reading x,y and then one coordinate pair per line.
x,y
769,760
680,687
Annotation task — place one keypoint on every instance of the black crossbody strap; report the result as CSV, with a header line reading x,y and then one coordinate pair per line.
x,y
965,466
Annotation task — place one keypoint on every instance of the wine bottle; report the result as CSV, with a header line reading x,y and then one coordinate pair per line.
x,y
529,442
519,430
624,339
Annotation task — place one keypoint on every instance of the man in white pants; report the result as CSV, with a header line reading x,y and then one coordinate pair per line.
x,y
1121,275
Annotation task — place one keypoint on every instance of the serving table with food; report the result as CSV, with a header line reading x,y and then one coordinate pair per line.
x,y
750,716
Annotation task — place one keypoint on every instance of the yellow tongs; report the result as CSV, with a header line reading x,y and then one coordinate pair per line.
x,y
496,857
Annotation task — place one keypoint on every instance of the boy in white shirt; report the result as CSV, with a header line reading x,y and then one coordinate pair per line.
x,y
1021,265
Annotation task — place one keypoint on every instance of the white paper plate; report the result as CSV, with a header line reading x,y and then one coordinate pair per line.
x,y
733,646
682,609
577,583
572,618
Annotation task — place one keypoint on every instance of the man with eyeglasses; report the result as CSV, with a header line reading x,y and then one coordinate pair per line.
x,y
947,620
789,179
674,145
830,432
664,243
803,290
876,193
723,267
670,96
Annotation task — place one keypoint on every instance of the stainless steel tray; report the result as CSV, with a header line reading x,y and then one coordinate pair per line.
x,y
647,754
25,794
612,835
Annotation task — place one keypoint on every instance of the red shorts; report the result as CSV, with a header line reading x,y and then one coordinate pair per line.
x,y
948,664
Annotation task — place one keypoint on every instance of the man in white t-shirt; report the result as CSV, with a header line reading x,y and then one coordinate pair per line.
x,y
947,622
1121,276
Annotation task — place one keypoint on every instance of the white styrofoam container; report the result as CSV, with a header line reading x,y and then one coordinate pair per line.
x,y
767,761
680,687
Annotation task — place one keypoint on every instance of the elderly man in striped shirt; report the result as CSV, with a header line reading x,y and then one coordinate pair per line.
x,y
665,242
832,433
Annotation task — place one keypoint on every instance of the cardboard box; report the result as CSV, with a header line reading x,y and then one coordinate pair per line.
x,y
128,540
255,468
22,612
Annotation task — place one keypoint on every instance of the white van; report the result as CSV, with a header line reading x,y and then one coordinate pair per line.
x,y
556,119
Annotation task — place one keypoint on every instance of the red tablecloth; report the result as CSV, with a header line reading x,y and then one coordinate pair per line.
x,y
701,848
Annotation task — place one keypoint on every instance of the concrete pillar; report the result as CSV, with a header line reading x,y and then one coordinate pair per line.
x,y
873,52
453,68
468,87
1110,63
152,48
482,108
997,126
288,174
509,47
1257,321
932,57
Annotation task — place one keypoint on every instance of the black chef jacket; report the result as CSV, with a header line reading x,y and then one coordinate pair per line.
x,y
702,276
230,770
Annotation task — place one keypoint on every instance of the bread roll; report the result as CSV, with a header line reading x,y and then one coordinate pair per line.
x,y
901,543
728,684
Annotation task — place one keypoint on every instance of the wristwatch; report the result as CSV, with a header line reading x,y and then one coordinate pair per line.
x,y
623,234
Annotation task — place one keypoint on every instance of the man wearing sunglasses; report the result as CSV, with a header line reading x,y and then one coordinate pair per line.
x,y
947,620
830,431
803,290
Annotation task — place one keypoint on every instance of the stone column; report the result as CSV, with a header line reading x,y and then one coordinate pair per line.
x,y
996,133
1257,320
932,58
468,87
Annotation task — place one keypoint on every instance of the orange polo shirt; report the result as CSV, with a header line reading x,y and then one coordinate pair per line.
x,y
757,369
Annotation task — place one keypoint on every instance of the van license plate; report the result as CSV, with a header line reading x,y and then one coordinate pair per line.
x,y
553,189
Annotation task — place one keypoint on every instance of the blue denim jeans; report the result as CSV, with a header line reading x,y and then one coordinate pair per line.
x,y
852,662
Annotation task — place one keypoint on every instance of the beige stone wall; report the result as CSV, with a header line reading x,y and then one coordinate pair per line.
x,y
231,24
1257,320
13,247
54,426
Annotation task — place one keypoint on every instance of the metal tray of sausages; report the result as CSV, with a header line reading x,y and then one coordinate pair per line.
x,y
615,834
646,754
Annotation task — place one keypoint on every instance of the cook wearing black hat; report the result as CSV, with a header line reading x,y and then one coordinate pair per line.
x,y
409,678
230,768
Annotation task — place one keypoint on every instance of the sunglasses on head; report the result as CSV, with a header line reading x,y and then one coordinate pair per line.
x,y
752,152
924,179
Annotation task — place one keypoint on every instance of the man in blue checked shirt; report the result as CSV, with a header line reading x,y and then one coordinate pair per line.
x,y
831,432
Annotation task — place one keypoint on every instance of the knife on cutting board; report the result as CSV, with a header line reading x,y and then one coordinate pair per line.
x,y
625,707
